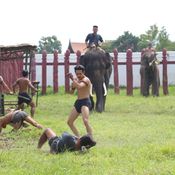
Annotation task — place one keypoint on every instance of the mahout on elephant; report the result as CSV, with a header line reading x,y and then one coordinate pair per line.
x,y
98,67
149,72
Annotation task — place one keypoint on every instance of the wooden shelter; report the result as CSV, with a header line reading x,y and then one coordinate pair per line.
x,y
13,59
75,46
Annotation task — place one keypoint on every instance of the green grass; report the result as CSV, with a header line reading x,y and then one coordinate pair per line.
x,y
135,136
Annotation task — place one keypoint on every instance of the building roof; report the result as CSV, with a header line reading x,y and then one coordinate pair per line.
x,y
75,46
13,51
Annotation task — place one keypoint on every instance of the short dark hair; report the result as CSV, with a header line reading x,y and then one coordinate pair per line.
x,y
79,67
95,26
25,73
87,141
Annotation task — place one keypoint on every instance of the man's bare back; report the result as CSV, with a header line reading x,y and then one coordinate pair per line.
x,y
23,84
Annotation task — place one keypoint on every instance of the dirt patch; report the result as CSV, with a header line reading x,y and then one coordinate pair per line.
x,y
6,142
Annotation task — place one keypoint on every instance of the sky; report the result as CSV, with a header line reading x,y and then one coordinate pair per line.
x,y
26,21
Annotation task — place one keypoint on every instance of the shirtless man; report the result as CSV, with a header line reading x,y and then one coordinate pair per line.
x,y
2,82
83,103
16,118
23,97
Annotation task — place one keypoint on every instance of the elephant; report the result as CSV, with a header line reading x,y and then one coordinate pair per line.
x,y
98,68
149,72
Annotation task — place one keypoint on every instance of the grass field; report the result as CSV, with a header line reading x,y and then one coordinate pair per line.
x,y
135,136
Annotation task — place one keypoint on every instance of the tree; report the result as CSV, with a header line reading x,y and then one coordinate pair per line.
x,y
159,39
126,41
49,44
150,36
107,46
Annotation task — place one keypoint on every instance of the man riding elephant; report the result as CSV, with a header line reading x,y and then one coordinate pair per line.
x,y
149,71
94,40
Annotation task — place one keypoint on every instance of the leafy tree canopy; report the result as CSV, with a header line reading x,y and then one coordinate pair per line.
x,y
158,37
49,44
125,42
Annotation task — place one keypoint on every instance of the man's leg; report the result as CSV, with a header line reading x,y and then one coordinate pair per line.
x,y
72,117
47,134
85,116
20,106
32,111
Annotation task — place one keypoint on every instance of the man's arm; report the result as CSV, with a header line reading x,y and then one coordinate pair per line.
x,y
6,87
86,40
33,122
32,87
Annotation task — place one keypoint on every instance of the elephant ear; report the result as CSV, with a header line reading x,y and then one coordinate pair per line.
x,y
82,60
108,60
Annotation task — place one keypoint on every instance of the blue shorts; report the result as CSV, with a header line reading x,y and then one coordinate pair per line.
x,y
82,102
24,98
56,145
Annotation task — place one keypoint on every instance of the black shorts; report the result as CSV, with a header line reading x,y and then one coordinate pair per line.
x,y
19,116
56,145
24,98
82,102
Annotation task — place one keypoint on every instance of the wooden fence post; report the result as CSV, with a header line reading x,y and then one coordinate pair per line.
x,y
44,72
129,72
33,67
78,53
141,76
165,77
115,65
55,72
66,70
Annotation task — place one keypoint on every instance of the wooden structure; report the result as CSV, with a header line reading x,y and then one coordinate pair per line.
x,y
73,47
13,59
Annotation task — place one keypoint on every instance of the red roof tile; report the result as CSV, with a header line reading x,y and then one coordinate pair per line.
x,y
75,46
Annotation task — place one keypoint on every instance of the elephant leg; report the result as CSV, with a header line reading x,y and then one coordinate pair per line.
x,y
99,96
104,99
156,83
146,85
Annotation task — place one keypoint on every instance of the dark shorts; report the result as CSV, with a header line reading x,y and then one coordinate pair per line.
x,y
19,116
56,144
82,102
24,98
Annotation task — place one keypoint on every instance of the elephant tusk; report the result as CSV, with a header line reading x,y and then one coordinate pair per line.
x,y
105,90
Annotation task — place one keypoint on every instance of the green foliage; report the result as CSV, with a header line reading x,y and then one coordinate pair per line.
x,y
125,42
158,37
107,46
49,44
135,136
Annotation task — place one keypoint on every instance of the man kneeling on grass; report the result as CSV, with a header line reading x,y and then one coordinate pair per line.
x,y
16,119
65,142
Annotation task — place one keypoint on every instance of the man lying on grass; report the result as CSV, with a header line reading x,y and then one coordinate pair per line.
x,y
16,119
65,142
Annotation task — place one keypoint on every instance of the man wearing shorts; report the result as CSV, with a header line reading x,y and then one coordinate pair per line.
x,y
16,119
23,97
65,142
83,103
